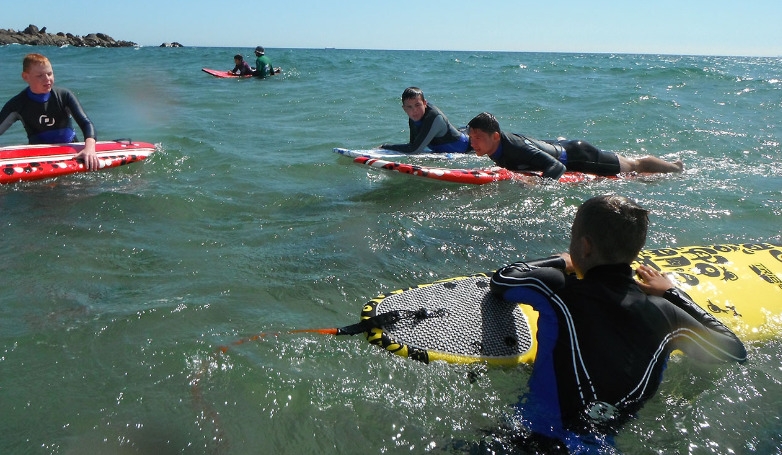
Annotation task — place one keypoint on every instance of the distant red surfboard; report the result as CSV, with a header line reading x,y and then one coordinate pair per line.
x,y
228,74
223,74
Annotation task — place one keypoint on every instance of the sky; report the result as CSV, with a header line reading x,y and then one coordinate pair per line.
x,y
680,27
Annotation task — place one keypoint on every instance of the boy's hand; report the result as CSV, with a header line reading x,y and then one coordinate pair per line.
x,y
568,263
653,282
88,155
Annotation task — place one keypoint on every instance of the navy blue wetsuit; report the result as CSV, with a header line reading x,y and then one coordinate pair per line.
x,y
433,131
521,153
47,118
603,345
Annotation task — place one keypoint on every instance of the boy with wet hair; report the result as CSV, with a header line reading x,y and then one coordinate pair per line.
x,y
46,111
241,68
517,152
604,338
429,127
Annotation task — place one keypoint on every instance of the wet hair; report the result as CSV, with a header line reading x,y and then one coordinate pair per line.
x,y
485,122
616,226
33,59
239,57
412,93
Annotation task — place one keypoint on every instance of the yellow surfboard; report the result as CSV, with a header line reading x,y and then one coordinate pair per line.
x,y
459,320
741,284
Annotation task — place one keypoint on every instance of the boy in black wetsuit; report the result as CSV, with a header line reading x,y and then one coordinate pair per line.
x,y
46,111
429,127
521,153
603,338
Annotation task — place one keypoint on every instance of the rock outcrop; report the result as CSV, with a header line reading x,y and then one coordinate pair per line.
x,y
34,36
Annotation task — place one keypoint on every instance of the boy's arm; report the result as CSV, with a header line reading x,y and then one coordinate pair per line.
x,y
84,122
535,286
87,155
8,115
529,156
515,282
717,341
426,134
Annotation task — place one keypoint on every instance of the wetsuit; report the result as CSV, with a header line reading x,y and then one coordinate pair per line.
x,y
47,117
602,347
433,131
242,69
553,158
263,67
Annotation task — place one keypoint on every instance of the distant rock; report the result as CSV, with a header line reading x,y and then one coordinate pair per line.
x,y
174,44
39,37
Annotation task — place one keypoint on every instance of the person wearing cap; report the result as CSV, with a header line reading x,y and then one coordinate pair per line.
x,y
263,66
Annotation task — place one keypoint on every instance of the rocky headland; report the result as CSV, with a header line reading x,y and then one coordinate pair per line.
x,y
34,36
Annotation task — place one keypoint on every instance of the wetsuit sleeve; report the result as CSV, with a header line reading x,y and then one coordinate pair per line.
x,y
550,166
438,127
521,153
516,281
535,286
87,128
8,115
705,338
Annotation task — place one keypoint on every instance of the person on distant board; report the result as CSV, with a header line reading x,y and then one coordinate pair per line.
x,y
429,127
263,66
46,111
522,153
604,338
241,68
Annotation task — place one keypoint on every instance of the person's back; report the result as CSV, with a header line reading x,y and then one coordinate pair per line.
x,y
603,337
263,66
623,338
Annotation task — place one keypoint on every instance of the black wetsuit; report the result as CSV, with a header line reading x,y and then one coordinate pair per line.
x,y
47,118
433,131
603,345
521,153
242,69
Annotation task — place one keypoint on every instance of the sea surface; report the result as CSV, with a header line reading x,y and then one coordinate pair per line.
x,y
118,288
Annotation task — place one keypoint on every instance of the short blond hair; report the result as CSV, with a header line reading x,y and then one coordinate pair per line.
x,y
34,59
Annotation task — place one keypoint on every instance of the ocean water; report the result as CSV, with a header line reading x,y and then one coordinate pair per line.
x,y
119,287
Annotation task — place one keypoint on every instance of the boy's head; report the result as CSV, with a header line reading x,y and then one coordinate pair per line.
x,y
414,103
608,229
34,59
412,93
484,132
37,72
238,58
